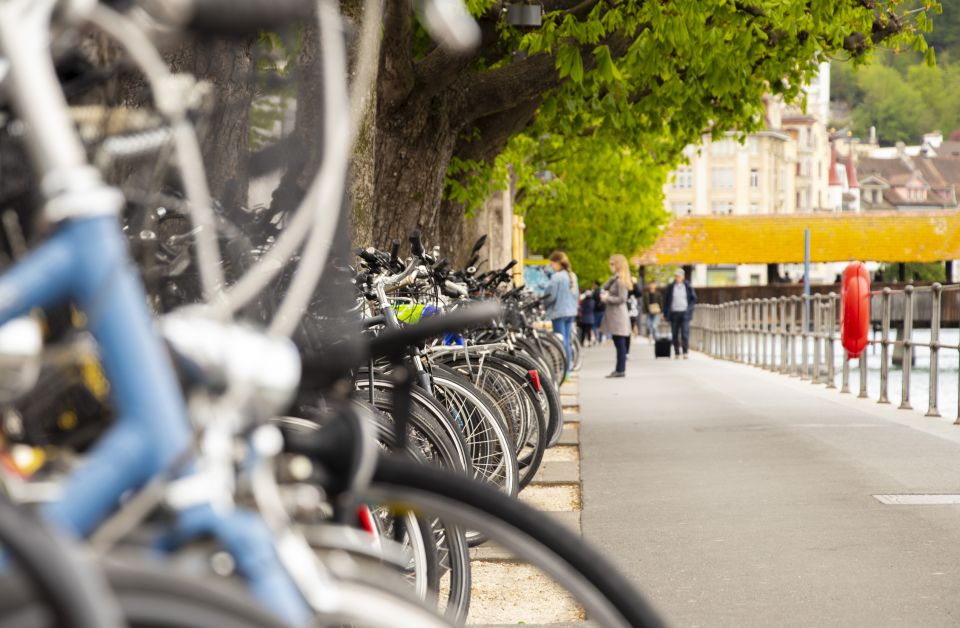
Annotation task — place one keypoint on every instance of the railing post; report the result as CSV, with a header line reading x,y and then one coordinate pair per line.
x,y
831,348
782,306
863,375
936,292
816,338
907,347
804,334
885,346
767,319
845,374
794,334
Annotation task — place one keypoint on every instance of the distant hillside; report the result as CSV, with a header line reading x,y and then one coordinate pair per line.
x,y
898,93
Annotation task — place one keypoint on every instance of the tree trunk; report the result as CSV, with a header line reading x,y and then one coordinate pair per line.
x,y
225,131
414,145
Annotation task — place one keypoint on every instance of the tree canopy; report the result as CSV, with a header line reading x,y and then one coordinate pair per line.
x,y
901,93
594,107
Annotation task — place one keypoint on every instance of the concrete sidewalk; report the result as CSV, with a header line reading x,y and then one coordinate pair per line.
x,y
738,497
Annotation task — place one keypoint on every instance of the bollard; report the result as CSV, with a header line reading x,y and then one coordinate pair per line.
x,y
885,346
845,377
936,292
907,347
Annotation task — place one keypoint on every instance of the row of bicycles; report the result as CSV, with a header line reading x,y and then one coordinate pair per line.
x,y
221,418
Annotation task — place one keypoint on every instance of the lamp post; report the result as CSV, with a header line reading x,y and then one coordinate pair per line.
x,y
523,14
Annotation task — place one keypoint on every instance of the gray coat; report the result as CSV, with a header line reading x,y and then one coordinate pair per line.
x,y
616,321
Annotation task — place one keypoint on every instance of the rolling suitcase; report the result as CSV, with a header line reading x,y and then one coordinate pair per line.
x,y
661,348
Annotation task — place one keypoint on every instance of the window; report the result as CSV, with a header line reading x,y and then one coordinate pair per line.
x,y
753,145
722,177
682,209
754,208
723,148
721,207
754,178
683,179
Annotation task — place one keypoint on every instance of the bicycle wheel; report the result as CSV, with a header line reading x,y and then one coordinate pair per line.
x,y
451,551
485,430
609,599
431,418
73,591
514,392
158,597
577,348
149,596
548,396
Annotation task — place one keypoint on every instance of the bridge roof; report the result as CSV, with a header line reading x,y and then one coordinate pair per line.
x,y
893,236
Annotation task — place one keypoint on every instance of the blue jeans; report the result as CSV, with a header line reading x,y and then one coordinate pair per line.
x,y
596,327
563,326
680,330
622,345
652,321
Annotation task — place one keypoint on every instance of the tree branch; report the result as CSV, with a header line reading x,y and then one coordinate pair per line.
x,y
495,130
492,91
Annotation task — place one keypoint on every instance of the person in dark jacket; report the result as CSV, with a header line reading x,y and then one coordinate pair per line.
x,y
586,317
652,310
599,308
678,301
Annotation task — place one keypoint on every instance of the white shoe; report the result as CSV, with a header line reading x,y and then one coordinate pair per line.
x,y
686,357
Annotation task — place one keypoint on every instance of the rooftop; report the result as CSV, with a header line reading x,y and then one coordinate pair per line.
x,y
879,236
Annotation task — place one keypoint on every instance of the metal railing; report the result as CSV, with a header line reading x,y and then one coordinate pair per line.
x,y
774,334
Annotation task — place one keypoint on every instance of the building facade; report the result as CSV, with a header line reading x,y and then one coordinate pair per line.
x,y
787,168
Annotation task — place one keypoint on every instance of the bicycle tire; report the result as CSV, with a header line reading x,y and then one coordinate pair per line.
x,y
608,597
452,547
532,443
492,451
548,395
72,587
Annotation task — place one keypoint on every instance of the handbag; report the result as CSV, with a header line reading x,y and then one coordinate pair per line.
x,y
654,308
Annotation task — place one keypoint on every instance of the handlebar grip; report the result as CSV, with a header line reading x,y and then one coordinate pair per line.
x,y
394,251
416,243
244,17
368,255
512,263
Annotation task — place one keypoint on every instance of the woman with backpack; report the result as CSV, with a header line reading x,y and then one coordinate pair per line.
x,y
616,320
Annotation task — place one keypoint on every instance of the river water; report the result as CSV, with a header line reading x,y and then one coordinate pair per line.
x,y
948,367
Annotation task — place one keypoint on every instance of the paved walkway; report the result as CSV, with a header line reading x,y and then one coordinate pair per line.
x,y
738,497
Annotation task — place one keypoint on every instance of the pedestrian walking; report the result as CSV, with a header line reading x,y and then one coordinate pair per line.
x,y
652,310
678,301
633,311
616,320
586,317
560,298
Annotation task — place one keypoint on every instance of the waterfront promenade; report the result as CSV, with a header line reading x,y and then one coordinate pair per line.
x,y
739,497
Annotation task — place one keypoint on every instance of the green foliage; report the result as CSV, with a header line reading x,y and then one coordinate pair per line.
x,y
916,271
640,80
275,58
909,92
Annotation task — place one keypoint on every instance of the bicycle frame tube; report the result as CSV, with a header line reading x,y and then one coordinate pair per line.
x,y
85,262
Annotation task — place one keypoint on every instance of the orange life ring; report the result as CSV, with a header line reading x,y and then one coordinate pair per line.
x,y
855,313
